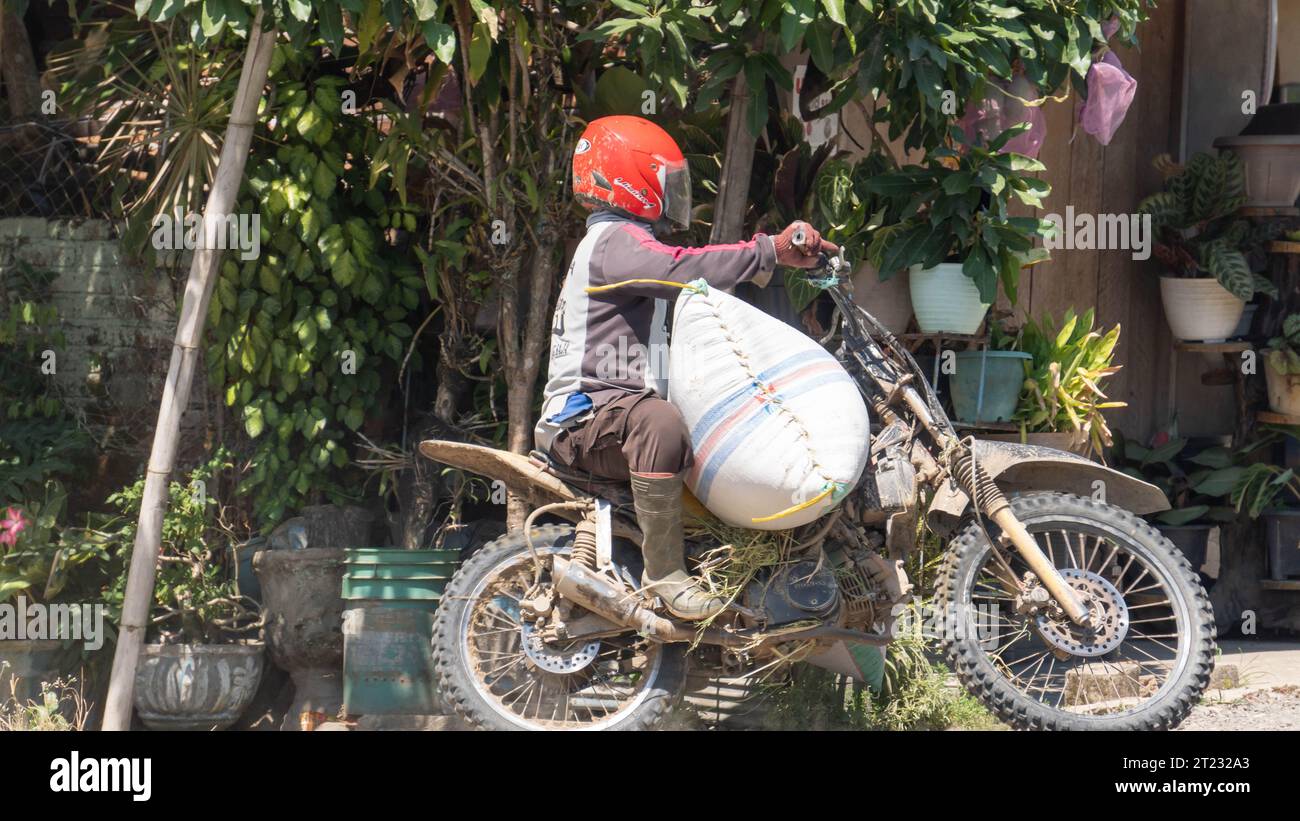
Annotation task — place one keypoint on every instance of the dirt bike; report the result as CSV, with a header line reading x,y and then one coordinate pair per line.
x,y
1058,608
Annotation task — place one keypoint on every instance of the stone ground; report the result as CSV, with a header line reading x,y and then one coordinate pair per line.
x,y
1266,696
1269,695
1275,708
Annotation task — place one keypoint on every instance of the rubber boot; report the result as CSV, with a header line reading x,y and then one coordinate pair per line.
x,y
659,513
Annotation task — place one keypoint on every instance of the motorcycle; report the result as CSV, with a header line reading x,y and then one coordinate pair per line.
x,y
1056,606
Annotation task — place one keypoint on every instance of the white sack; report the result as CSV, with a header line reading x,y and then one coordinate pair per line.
x,y
775,420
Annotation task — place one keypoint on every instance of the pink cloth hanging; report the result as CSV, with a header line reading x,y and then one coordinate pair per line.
x,y
1002,108
1110,93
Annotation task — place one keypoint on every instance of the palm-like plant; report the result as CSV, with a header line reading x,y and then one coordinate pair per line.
x,y
161,105
1063,382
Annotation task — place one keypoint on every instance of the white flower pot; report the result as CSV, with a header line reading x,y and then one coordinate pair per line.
x,y
1272,167
889,301
946,300
1200,309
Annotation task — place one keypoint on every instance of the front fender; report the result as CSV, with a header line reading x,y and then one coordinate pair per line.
x,y
1020,468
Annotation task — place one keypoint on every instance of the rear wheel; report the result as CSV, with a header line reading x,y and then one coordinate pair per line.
x,y
498,672
1142,668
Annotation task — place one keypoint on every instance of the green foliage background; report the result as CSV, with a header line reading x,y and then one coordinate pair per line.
x,y
306,338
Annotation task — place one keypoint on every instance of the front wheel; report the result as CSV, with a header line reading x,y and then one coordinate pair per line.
x,y
495,667
1144,665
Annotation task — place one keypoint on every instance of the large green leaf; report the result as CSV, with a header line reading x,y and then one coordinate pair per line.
x,y
1220,482
442,39
980,269
906,247
1229,267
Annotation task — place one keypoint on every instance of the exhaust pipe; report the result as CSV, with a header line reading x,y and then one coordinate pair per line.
x,y
578,583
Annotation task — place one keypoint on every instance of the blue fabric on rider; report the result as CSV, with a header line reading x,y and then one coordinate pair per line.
x,y
577,404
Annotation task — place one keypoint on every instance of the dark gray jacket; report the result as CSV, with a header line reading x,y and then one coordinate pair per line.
x,y
608,344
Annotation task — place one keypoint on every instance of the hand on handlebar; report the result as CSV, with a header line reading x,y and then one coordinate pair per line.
x,y
800,246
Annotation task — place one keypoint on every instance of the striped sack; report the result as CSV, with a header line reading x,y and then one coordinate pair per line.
x,y
778,427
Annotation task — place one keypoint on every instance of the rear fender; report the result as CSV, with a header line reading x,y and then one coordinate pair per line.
x,y
1023,468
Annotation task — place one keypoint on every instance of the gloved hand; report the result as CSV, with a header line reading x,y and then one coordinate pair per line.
x,y
801,257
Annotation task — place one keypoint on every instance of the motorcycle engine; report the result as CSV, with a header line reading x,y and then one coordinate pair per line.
x,y
803,590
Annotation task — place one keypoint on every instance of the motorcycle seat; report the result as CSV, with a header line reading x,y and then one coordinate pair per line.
x,y
616,491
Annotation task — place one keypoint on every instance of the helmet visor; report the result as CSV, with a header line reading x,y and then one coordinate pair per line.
x,y
677,194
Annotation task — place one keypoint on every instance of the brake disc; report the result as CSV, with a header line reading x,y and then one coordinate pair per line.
x,y
571,659
1110,617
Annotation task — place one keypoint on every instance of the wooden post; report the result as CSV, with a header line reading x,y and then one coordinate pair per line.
x,y
180,375
737,165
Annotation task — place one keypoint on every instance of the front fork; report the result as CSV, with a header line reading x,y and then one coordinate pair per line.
x,y
989,498
1027,546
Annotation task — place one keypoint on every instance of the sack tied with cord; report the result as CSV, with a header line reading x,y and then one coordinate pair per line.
x,y
778,427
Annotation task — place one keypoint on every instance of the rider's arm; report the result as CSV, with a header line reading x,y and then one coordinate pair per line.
x,y
629,251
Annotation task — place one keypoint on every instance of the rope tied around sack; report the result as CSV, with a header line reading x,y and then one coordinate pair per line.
x,y
835,490
695,286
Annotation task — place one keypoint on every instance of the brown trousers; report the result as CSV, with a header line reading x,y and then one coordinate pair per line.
x,y
637,433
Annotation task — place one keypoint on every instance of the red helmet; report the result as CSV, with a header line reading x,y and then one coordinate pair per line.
x,y
631,165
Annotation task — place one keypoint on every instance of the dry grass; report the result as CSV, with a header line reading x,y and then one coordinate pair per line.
x,y
740,555
62,707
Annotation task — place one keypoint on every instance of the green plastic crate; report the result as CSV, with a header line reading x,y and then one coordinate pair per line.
x,y
428,605
400,571
413,589
387,661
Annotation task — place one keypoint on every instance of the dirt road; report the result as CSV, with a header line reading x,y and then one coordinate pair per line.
x,y
1275,708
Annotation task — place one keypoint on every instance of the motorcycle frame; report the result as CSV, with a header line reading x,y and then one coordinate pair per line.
x,y
896,397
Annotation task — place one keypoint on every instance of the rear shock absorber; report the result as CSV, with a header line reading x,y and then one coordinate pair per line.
x,y
584,542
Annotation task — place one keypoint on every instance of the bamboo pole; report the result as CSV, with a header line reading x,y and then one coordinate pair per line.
x,y
180,375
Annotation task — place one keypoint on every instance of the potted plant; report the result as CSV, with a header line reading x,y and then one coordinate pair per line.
x,y
954,233
301,575
41,563
1282,368
1198,482
984,384
1273,493
1061,402
852,213
1204,247
203,658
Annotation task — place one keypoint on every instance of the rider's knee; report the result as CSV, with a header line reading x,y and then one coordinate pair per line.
x,y
657,439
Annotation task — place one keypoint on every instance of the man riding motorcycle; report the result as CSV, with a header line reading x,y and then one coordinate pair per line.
x,y
605,410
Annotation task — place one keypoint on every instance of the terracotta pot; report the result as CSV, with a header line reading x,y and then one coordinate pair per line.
x,y
889,301
1283,390
1200,308
196,686
303,602
1067,441
1272,167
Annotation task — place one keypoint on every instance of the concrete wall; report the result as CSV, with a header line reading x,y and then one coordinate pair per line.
x,y
118,318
